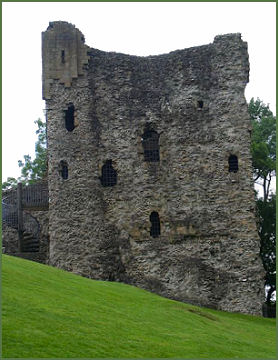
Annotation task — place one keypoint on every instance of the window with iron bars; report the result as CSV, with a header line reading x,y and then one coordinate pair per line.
x,y
233,163
150,142
108,174
155,224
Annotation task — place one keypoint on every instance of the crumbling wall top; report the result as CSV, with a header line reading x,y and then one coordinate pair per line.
x,y
64,54
66,57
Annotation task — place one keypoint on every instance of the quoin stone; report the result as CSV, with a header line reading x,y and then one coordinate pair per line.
x,y
149,169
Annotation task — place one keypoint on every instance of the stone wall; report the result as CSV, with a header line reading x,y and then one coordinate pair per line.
x,y
207,252
10,242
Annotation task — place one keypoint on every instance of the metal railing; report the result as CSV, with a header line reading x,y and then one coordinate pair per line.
x,y
35,195
14,204
10,215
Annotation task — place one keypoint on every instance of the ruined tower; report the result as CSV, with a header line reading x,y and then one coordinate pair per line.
x,y
150,178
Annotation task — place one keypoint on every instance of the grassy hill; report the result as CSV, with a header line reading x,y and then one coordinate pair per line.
x,y
49,313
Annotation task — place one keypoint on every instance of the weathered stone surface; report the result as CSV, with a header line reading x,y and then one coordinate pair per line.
x,y
208,249
68,63
10,242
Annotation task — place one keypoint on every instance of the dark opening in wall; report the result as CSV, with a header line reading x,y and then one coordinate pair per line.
x,y
64,170
108,174
200,104
69,118
233,163
63,56
155,224
150,142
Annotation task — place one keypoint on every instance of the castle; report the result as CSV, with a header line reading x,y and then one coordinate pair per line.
x,y
149,169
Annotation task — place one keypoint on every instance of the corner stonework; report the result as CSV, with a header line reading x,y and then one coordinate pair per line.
x,y
64,55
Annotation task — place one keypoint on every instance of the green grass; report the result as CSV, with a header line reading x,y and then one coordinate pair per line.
x,y
50,313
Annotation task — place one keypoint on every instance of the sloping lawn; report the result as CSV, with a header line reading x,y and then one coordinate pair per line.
x,y
50,313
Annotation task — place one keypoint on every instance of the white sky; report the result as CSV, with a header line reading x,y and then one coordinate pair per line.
x,y
131,28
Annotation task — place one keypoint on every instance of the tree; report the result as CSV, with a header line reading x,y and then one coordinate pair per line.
x,y
267,230
263,150
10,183
263,144
32,170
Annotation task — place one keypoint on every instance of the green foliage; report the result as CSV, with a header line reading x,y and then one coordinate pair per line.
x,y
263,143
266,213
32,170
50,313
263,150
11,182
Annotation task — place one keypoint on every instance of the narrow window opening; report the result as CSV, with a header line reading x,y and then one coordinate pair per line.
x,y
63,56
200,104
108,174
150,142
155,224
233,163
69,118
64,170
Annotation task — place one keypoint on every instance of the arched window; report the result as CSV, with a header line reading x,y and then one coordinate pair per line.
x,y
233,163
155,224
150,142
69,118
64,172
108,174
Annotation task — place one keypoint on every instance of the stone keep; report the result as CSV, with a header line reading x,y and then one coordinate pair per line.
x,y
150,177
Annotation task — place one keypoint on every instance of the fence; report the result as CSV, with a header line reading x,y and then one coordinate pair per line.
x,y
10,215
14,204
35,196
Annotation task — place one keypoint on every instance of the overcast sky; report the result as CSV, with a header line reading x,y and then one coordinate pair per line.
x,y
131,28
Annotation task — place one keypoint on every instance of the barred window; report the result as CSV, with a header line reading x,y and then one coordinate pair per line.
x,y
64,170
69,118
150,142
233,163
155,224
108,174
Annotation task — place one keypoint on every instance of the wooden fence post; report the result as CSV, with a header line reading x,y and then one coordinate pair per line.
x,y
20,216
